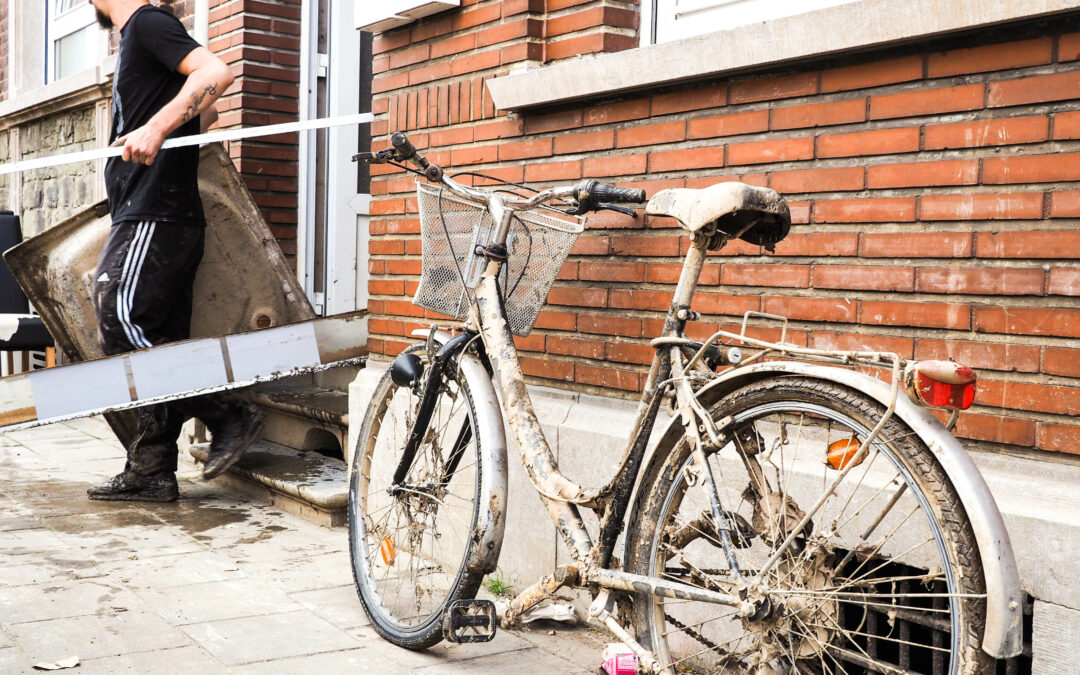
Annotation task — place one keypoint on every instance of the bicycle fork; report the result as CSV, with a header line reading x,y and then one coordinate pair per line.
x,y
428,398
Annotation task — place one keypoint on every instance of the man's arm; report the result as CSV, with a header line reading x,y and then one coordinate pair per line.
x,y
207,79
207,119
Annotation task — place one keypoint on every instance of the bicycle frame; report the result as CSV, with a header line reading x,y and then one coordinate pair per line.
x,y
563,497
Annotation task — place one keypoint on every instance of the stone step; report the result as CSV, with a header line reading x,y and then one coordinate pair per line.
x,y
305,416
307,484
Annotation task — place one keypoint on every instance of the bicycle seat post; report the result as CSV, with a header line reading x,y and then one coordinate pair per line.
x,y
678,315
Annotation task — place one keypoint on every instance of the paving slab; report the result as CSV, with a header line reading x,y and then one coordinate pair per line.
x,y
121,534
523,662
339,605
334,663
96,635
16,459
95,470
442,653
96,427
279,636
216,600
5,639
178,661
81,447
173,570
303,574
47,570
13,660
41,602
15,516
52,494
14,544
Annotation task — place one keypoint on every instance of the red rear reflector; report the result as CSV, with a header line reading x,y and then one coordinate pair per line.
x,y
942,384
944,395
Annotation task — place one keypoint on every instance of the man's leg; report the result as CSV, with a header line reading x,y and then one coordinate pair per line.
x,y
143,270
232,420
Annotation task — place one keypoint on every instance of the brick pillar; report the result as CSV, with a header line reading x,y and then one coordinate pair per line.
x,y
260,40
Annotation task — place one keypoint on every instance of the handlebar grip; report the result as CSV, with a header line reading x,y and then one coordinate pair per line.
x,y
406,151
610,194
403,145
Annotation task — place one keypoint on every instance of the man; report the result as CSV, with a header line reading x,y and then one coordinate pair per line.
x,y
165,84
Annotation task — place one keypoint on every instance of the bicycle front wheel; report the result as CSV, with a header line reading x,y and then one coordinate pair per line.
x,y
411,544
885,576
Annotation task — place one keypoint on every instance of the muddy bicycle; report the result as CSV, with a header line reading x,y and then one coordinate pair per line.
x,y
803,512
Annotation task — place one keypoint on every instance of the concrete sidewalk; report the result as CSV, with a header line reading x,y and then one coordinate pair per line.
x,y
210,584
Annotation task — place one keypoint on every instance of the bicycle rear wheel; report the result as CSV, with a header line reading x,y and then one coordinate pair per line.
x,y
412,547
885,577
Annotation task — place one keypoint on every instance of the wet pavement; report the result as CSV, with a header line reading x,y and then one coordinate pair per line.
x,y
214,583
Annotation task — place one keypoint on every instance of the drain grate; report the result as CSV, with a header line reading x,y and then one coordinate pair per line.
x,y
915,638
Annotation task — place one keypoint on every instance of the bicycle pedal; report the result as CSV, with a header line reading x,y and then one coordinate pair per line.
x,y
469,621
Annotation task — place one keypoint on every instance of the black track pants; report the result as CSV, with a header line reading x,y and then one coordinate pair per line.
x,y
143,293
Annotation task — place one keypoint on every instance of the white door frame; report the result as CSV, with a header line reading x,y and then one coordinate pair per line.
x,y
305,189
345,287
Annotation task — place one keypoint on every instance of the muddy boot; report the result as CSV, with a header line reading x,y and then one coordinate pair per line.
x,y
232,437
131,487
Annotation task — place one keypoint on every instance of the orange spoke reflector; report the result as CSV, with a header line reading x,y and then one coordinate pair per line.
x,y
387,550
842,452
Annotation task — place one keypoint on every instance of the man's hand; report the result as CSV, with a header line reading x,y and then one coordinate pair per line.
x,y
142,145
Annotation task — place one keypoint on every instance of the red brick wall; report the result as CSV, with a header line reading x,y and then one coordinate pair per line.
x,y
260,40
935,194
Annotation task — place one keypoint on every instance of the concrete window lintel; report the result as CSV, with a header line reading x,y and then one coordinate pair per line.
x,y
861,25
75,91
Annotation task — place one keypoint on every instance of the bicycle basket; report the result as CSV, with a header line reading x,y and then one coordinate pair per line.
x,y
451,229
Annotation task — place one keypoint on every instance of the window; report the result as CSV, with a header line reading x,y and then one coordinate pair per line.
x,y
74,41
667,20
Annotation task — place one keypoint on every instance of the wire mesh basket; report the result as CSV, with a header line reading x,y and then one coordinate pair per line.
x,y
451,229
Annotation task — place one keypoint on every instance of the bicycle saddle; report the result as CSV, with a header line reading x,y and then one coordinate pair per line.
x,y
757,215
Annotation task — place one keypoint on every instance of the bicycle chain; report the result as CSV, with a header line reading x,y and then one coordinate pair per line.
x,y
696,635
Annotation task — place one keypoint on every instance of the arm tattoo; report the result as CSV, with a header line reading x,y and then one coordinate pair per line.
x,y
196,100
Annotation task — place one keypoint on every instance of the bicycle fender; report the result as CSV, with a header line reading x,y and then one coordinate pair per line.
x,y
487,538
1002,637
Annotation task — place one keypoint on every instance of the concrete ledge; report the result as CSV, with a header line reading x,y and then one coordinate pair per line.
x,y
1053,639
860,25
307,484
78,90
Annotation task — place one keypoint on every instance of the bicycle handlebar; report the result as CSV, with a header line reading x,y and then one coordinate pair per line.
x,y
590,195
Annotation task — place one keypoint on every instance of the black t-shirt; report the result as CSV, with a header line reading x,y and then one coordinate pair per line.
x,y
152,45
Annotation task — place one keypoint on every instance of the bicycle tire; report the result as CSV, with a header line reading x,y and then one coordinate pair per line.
x,y
674,632
371,473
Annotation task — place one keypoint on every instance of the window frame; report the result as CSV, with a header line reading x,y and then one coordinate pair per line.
x,y
59,25
659,26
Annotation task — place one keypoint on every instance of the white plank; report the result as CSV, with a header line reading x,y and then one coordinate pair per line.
x,y
185,366
268,351
91,385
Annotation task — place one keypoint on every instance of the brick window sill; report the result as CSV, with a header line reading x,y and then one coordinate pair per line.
x,y
862,25
70,92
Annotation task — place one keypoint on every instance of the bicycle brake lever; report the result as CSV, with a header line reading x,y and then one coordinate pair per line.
x,y
613,207
381,157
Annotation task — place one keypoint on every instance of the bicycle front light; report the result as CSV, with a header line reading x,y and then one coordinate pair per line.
x,y
940,384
